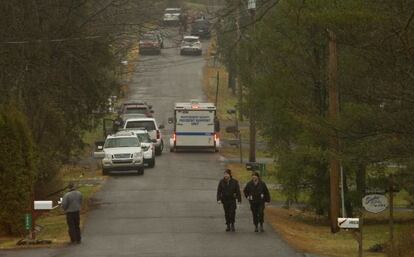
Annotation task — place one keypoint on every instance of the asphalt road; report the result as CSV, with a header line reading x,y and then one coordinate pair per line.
x,y
171,211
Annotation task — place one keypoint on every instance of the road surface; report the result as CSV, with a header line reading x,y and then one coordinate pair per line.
x,y
171,211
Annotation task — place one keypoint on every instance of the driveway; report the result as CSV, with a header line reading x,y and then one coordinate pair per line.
x,y
171,211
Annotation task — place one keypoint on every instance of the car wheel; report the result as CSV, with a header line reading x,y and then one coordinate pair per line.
x,y
104,172
158,150
181,53
140,171
151,163
172,149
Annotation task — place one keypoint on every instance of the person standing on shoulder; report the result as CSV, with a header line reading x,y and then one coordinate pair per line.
x,y
228,191
71,204
257,193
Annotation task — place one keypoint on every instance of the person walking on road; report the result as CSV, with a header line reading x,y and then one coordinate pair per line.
x,y
257,193
228,191
71,204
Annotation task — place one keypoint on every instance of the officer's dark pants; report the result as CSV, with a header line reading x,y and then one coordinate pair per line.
x,y
230,212
258,212
73,221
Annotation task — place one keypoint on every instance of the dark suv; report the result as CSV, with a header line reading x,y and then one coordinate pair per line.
x,y
201,28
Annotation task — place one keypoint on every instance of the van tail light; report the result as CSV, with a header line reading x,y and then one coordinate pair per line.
x,y
174,137
216,137
158,134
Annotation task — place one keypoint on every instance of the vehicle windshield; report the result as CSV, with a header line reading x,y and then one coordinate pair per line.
x,y
144,138
173,11
190,40
149,37
122,142
136,110
146,124
201,24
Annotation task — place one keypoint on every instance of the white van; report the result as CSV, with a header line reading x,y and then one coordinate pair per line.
x,y
195,126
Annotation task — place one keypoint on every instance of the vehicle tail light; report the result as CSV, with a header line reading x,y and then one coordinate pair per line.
x,y
174,137
216,137
158,134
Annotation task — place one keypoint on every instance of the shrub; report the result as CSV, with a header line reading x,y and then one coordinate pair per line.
x,y
18,163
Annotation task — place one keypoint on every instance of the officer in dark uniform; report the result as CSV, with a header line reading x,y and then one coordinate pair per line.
x,y
228,191
257,193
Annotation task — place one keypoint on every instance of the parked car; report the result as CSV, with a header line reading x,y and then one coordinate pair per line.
x,y
135,108
159,36
121,152
201,28
151,126
149,43
191,45
147,145
172,16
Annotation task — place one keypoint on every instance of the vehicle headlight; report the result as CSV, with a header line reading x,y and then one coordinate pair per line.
x,y
137,155
108,156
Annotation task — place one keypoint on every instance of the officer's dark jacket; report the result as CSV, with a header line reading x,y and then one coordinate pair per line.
x,y
257,193
228,191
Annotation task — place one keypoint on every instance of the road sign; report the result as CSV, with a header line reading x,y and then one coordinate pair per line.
x,y
375,203
348,222
28,221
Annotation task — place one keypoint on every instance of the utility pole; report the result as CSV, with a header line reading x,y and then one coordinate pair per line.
x,y
334,165
251,6
239,85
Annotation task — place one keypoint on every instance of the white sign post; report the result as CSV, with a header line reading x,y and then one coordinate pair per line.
x,y
355,224
375,203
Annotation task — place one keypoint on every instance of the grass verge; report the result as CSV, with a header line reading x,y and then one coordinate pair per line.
x,y
53,223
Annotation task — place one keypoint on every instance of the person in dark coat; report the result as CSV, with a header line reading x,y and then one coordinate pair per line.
x,y
71,204
257,193
228,191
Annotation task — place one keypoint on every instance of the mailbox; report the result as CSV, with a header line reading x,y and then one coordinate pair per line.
x,y
43,205
348,222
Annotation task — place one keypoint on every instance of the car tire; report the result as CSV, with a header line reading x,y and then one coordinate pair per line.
x,y
172,149
158,150
140,171
104,172
181,53
151,163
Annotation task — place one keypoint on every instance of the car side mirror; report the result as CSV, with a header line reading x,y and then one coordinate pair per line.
x,y
150,107
99,155
151,111
161,126
154,140
170,120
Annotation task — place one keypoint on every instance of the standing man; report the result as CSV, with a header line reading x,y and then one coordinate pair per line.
x,y
257,193
228,191
71,204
